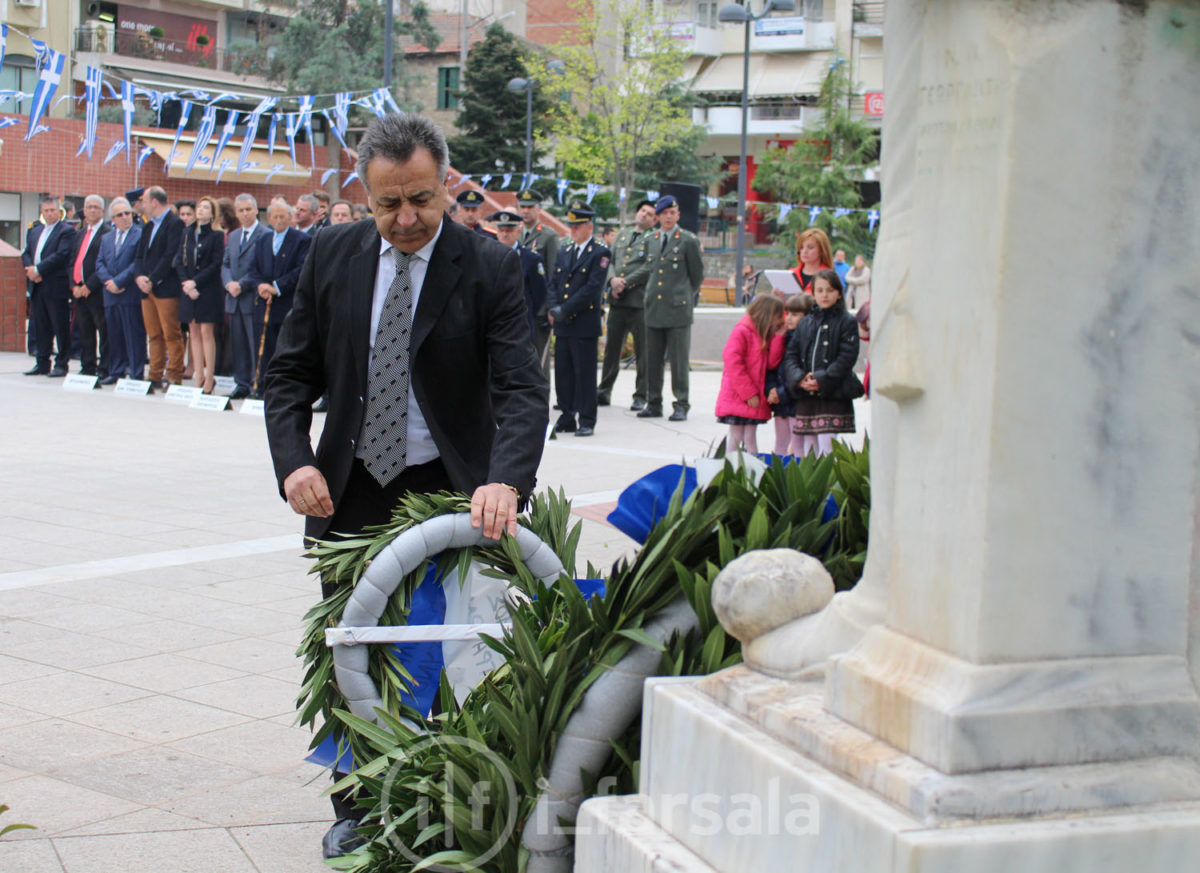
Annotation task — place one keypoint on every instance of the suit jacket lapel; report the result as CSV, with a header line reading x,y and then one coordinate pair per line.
x,y
360,280
440,278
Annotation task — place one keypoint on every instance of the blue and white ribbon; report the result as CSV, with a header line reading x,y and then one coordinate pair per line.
x,y
223,166
841,212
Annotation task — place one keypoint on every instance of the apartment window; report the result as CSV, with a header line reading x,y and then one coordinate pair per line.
x,y
447,85
18,74
706,14
813,10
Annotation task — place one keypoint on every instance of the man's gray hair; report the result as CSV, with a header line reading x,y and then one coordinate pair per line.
x,y
395,137
117,202
94,197
243,197
280,201
309,199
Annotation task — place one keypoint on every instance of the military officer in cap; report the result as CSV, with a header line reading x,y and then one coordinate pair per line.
x,y
574,307
675,276
469,204
508,228
627,275
539,238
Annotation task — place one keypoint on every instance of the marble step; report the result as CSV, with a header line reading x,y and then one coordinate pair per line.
x,y
616,836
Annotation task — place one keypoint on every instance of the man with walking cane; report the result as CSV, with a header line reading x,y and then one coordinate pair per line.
x,y
274,272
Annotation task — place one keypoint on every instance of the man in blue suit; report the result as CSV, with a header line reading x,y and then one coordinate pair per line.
x,y
533,270
115,267
240,294
47,260
575,309
273,273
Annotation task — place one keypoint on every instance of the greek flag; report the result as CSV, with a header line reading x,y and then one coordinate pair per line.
x,y
592,191
3,43
333,128
8,122
127,117
841,212
207,123
289,121
91,96
872,219
226,134
40,50
306,113
350,178
652,196
506,180
561,184
274,169
715,203
43,92
185,108
621,195
341,114
117,148
225,165
264,105
325,176
784,209
484,179
146,152
813,212
271,134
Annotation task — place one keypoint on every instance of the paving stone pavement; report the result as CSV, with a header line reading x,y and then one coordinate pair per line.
x,y
151,593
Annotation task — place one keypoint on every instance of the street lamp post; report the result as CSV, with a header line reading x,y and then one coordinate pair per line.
x,y
522,84
731,13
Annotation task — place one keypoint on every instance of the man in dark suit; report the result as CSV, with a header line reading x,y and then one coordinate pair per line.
x,y
161,238
115,268
272,274
88,290
419,312
574,307
47,260
533,270
240,294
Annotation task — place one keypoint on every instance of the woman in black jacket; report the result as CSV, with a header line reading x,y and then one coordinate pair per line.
x,y
819,368
198,266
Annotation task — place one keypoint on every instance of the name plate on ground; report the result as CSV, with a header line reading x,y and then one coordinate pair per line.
x,y
211,402
79,382
183,394
252,407
132,387
226,384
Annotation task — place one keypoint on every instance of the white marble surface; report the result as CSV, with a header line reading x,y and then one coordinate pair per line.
x,y
763,589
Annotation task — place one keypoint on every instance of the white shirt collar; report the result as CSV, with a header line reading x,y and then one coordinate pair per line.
x,y
425,252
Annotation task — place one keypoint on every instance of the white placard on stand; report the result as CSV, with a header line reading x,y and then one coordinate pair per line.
x,y
252,407
225,384
79,382
132,387
183,394
211,402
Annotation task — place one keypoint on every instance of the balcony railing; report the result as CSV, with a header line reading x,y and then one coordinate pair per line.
x,y
248,59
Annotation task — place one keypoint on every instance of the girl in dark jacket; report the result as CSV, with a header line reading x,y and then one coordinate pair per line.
x,y
819,367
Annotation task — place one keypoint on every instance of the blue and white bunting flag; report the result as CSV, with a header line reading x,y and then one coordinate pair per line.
x,y
621,195
386,96
652,196
264,105
462,179
333,127
8,122
146,152
378,103
306,114
872,219
592,191
350,178
506,180
341,113
325,176
223,166
40,50
227,133
271,134
43,92
3,43
289,130
561,185
275,168
127,108
156,100
713,202
813,212
841,212
185,109
91,96
784,209
7,95
208,123
117,148
484,179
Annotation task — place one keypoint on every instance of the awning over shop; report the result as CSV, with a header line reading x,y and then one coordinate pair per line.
x,y
724,75
775,75
278,165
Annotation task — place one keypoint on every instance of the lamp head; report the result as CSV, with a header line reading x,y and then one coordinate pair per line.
x,y
734,13
518,84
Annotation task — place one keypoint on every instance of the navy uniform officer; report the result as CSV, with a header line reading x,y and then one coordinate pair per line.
x,y
543,240
469,204
574,311
532,269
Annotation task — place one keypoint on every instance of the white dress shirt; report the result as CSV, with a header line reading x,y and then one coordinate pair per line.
x,y
420,445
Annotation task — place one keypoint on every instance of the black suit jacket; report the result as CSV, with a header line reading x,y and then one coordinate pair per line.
x,y
156,260
282,269
474,371
95,286
55,265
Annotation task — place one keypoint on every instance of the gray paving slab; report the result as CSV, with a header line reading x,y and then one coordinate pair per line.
x,y
151,595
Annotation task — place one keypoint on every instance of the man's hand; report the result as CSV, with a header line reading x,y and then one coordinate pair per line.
x,y
234,288
144,283
78,291
307,492
266,290
618,286
112,287
495,507
31,273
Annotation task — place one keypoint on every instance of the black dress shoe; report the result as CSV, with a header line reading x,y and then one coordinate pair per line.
x,y
602,400
678,415
341,839
57,373
109,380
239,393
650,413
36,372
637,405
584,431
564,426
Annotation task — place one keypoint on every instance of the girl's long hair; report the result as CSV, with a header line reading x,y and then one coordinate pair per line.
x,y
764,311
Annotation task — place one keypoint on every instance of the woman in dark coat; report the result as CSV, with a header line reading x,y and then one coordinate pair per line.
x,y
198,266
819,367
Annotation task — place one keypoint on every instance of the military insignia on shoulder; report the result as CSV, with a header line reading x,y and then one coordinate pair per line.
x,y
604,262
541,270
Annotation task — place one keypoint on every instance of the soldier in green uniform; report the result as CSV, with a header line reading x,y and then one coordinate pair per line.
x,y
675,276
627,275
539,238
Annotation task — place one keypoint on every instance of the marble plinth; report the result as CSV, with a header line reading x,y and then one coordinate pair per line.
x,y
720,792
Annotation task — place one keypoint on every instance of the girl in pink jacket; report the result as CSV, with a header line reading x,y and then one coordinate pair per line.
x,y
755,345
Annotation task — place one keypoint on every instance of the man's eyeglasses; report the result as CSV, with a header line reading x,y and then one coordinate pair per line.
x,y
121,214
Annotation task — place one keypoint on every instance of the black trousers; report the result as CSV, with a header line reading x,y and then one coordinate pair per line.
x,y
52,324
623,321
89,317
575,378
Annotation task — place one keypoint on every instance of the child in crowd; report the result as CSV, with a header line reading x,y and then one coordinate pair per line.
x,y
755,345
819,368
782,401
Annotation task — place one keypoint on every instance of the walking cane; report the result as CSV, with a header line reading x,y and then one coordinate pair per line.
x,y
262,341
